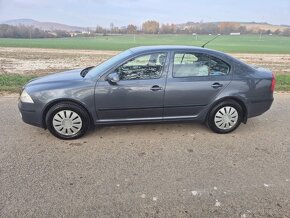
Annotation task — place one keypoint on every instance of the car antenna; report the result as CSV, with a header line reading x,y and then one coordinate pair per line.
x,y
211,40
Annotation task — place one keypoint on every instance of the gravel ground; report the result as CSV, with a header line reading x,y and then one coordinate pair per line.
x,y
152,170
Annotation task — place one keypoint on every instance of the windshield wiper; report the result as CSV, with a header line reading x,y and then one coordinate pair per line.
x,y
85,71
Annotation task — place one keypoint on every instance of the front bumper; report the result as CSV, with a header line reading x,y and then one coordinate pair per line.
x,y
29,114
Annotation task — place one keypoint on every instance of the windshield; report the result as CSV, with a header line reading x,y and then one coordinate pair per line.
x,y
106,65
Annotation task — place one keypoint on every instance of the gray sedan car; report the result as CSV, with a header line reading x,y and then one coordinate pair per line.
x,y
149,84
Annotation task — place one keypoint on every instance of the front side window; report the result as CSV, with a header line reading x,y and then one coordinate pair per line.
x,y
190,65
148,66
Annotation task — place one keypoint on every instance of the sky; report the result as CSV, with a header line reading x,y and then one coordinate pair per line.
x,y
90,13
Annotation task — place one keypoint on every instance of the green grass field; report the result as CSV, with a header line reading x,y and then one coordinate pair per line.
x,y
231,44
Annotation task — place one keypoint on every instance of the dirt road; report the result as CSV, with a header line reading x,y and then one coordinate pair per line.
x,y
152,170
43,61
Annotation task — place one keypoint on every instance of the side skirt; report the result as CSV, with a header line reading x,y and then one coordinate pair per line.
x,y
147,120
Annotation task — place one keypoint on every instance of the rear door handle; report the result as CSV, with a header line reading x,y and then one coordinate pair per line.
x,y
216,85
156,88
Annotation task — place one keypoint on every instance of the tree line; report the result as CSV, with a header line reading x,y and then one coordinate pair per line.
x,y
154,27
21,31
148,27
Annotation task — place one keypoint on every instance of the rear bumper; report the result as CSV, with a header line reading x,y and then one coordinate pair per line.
x,y
258,107
29,114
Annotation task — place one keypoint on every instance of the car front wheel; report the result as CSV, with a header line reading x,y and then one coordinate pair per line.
x,y
225,117
67,120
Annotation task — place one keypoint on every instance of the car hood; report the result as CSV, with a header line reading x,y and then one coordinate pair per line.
x,y
71,75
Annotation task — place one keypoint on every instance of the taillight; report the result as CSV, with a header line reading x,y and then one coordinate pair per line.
x,y
273,83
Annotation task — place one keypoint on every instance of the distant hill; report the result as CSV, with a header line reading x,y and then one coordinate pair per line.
x,y
44,25
253,26
264,26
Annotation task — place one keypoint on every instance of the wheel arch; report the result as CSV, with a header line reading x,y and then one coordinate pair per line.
x,y
63,100
233,98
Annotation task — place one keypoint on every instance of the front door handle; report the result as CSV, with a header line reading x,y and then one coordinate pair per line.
x,y
216,85
156,88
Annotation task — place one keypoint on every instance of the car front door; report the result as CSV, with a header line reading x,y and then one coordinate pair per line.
x,y
195,79
139,93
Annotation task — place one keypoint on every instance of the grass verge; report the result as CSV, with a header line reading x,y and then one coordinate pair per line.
x,y
14,82
282,82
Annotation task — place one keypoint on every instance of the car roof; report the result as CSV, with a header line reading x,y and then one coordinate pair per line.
x,y
168,47
143,49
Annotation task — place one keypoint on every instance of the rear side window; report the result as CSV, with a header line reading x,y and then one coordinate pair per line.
x,y
218,67
190,65
181,58
197,65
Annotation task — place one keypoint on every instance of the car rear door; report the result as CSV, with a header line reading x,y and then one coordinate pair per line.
x,y
194,80
139,93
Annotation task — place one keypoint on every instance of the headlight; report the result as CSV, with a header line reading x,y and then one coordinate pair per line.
x,y
24,97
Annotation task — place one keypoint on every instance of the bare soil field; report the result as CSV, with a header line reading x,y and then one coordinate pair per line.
x,y
44,61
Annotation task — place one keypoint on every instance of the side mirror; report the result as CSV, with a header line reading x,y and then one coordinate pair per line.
x,y
113,77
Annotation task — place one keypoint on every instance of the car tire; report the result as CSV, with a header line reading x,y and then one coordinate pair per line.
x,y
225,117
67,120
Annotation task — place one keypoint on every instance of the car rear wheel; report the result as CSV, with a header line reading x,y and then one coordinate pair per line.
x,y
225,117
67,120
